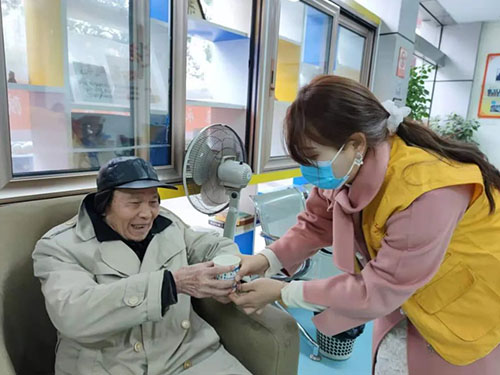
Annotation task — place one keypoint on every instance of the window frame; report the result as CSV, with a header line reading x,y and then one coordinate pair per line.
x,y
25,188
369,34
267,66
344,15
263,53
5,148
251,92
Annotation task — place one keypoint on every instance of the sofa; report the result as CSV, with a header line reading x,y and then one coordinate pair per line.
x,y
267,344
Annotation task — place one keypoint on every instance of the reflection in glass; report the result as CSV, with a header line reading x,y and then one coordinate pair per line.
x,y
100,137
69,83
216,11
418,61
159,118
350,49
218,51
14,34
303,49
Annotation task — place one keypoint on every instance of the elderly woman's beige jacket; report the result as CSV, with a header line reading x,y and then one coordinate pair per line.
x,y
106,304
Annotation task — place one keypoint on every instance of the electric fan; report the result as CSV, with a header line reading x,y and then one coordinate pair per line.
x,y
215,171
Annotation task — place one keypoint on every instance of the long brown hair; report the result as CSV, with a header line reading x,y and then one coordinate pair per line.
x,y
330,109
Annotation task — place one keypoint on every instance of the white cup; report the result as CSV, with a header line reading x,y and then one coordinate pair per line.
x,y
227,260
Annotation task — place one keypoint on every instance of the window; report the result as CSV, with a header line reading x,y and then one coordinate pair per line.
x,y
217,59
429,84
77,85
350,48
303,39
354,50
303,52
430,29
88,80
160,119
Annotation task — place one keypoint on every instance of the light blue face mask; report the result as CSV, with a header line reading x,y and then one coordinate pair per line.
x,y
322,176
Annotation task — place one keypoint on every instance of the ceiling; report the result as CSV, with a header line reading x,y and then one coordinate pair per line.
x,y
464,11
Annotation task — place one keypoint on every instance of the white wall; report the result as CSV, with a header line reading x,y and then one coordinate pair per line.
x,y
398,16
399,19
386,85
489,133
387,10
454,80
236,19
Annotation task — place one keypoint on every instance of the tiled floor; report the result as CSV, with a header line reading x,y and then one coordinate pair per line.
x,y
358,364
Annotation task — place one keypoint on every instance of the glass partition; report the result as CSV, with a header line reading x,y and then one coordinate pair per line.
x,y
217,65
69,72
304,44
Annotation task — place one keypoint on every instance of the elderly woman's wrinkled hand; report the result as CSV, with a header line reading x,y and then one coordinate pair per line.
x,y
254,296
198,280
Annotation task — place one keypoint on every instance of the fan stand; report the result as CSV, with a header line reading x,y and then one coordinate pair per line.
x,y
232,213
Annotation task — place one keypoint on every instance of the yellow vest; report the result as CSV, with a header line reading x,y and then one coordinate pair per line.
x,y
458,311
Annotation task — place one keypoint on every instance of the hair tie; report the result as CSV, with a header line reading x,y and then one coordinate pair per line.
x,y
396,115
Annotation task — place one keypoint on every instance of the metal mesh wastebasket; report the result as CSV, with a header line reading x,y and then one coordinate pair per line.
x,y
333,348
338,347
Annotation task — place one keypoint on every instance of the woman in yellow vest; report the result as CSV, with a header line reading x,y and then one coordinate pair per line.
x,y
415,226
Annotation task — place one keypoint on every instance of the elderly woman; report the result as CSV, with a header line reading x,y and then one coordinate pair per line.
x,y
118,280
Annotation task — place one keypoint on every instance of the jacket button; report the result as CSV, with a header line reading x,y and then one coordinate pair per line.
x,y
138,347
187,365
133,301
185,324
70,222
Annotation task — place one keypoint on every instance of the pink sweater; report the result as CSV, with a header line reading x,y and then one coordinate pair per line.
x,y
412,250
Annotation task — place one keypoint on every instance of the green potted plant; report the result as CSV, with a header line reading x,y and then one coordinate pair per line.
x,y
418,96
455,127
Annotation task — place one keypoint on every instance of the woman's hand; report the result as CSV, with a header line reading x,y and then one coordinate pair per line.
x,y
198,280
254,296
223,300
252,265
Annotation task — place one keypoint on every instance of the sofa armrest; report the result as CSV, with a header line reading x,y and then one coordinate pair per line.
x,y
266,344
6,367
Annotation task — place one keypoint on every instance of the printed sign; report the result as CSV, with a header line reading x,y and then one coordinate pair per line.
x,y
402,62
489,104
91,83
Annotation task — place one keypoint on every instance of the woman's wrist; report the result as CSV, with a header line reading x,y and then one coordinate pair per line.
x,y
279,287
264,264
274,264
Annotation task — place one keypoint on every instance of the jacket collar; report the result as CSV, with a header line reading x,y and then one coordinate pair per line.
x,y
369,180
160,251
119,256
84,228
366,185
351,200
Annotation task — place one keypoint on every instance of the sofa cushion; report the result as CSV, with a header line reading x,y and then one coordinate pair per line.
x,y
27,336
